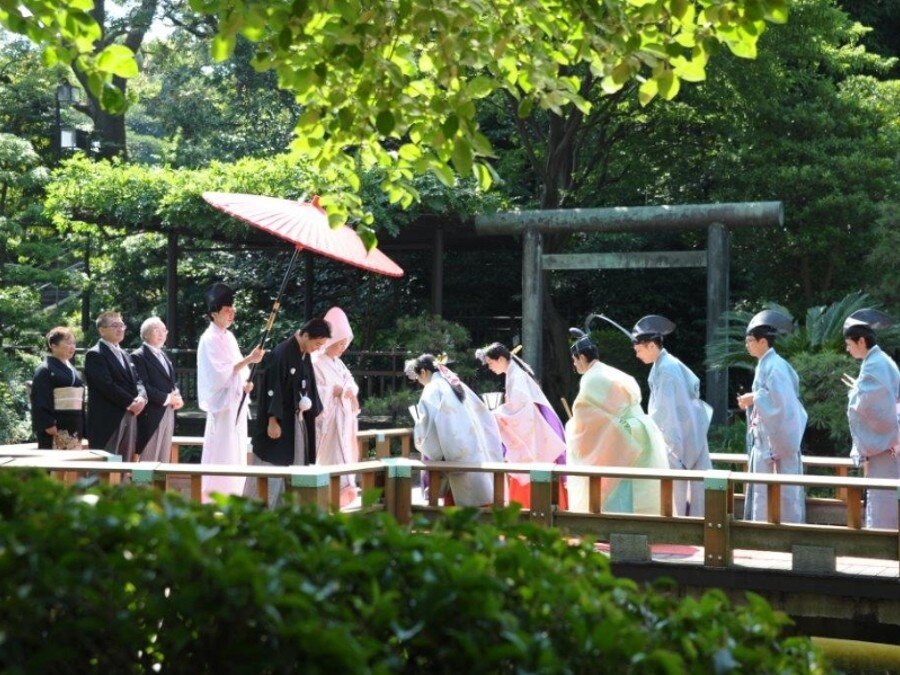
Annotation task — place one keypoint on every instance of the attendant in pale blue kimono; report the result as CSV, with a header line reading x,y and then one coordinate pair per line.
x,y
676,407
454,425
776,419
872,413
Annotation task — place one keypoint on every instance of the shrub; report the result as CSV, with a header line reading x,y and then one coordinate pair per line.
x,y
825,399
395,406
429,333
423,334
731,437
131,580
15,419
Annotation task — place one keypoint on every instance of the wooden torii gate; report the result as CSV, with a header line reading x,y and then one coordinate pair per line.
x,y
718,219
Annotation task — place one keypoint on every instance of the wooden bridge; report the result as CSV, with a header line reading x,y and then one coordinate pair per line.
x,y
832,575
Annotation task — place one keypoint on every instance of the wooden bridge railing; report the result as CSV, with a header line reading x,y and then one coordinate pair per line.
x,y
719,532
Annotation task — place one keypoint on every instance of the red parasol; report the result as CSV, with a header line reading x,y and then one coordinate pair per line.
x,y
305,225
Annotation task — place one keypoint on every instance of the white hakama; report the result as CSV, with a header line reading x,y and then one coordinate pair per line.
x,y
683,418
875,429
775,426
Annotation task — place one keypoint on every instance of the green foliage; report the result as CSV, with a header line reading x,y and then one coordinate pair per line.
x,y
426,333
30,255
395,406
244,112
68,32
20,172
881,274
131,580
810,122
429,333
731,437
110,198
27,89
825,396
15,424
399,84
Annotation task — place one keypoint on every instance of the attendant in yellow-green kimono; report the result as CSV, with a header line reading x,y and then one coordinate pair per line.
x,y
609,428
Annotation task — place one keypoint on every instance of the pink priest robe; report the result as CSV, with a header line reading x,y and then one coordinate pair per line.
x,y
530,430
337,425
609,428
219,390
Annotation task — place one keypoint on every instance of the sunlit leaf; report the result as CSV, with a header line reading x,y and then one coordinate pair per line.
x,y
647,91
222,47
118,60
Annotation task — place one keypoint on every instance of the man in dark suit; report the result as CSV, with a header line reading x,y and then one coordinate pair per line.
x,y
156,425
116,394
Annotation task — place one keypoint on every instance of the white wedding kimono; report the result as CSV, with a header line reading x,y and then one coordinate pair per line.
x,y
683,418
450,430
337,424
875,429
775,426
219,390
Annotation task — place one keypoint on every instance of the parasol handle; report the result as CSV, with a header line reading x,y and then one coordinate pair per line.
x,y
268,327
566,407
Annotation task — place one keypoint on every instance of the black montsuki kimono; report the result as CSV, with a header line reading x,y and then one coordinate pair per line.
x,y
289,376
53,374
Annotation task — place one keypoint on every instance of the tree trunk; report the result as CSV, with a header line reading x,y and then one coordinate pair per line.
x,y
109,130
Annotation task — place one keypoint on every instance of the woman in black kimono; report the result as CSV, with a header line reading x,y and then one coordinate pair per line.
x,y
57,395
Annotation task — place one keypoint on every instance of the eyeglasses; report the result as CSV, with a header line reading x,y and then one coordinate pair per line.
x,y
117,324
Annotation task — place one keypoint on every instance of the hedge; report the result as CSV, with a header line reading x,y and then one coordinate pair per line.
x,y
130,580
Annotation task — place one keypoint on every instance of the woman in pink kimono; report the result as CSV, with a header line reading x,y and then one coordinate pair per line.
x,y
530,429
338,423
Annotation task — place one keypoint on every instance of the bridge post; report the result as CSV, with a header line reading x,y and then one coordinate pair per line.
x,y
716,539
398,489
542,497
382,446
145,475
312,488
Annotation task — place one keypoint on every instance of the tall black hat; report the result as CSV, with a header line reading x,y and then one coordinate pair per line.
x,y
218,296
772,321
873,319
582,341
651,327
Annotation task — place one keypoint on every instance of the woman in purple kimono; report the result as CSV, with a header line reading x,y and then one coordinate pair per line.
x,y
530,429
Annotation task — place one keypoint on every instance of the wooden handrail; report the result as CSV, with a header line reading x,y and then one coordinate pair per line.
x,y
719,533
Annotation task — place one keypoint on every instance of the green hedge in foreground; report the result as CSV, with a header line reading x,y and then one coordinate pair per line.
x,y
130,580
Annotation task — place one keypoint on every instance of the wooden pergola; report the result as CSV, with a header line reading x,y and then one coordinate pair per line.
x,y
718,219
